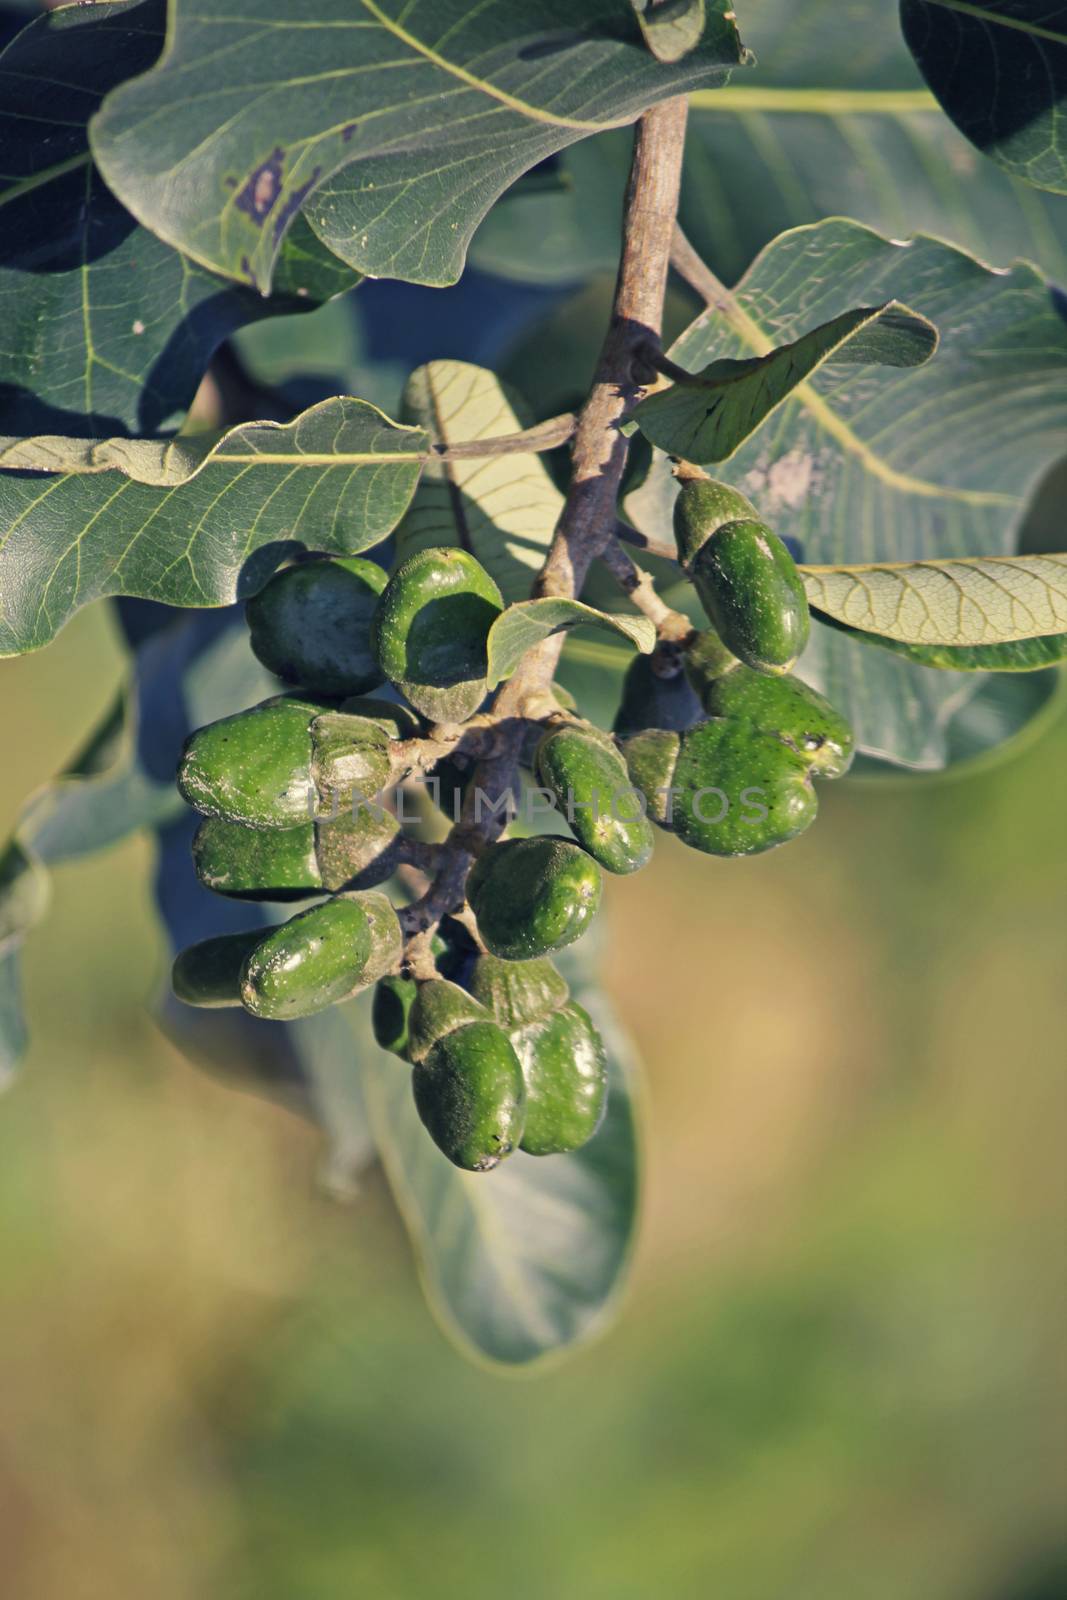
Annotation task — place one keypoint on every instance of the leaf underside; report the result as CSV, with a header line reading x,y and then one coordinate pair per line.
x,y
526,623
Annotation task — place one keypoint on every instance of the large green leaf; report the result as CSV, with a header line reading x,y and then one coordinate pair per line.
x,y
106,328
394,124
193,522
999,68
520,1262
708,415
867,466
525,624
835,121
501,508
983,600
1021,655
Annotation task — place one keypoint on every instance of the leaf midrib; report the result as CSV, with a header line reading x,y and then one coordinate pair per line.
x,y
997,20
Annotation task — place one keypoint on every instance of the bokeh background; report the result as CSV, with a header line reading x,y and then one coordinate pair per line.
x,y
839,1371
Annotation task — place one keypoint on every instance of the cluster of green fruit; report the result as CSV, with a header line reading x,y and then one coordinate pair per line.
x,y
715,742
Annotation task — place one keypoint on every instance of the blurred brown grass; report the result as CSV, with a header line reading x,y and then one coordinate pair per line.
x,y
839,1372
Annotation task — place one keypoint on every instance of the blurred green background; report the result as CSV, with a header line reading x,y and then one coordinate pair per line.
x,y
838,1374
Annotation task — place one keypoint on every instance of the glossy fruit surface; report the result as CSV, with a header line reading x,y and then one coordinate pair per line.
x,y
320,956
651,758
256,863
591,786
470,1094
533,896
565,1068
350,760
790,709
701,509
517,992
754,596
254,767
649,701
738,792
430,630
209,973
311,625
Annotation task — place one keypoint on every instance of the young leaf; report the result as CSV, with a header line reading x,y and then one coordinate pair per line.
x,y
107,329
884,466
707,416
524,1261
182,521
501,508
530,621
982,600
394,127
672,28
999,69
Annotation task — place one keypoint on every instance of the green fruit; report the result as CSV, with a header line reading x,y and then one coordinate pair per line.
x,y
706,658
430,630
533,896
789,709
351,761
353,852
589,782
321,956
651,757
209,973
311,625
391,1010
649,701
566,1073
470,1094
736,792
517,992
254,767
701,509
753,594
438,1008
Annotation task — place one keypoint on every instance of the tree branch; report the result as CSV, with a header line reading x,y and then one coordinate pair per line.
x,y
587,521
671,625
542,436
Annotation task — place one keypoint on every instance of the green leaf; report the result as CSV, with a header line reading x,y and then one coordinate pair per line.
x,y
500,508
107,329
835,121
393,126
866,467
1020,655
528,1259
707,416
999,69
529,621
981,601
182,521
672,28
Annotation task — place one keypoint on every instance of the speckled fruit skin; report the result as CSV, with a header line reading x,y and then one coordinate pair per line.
x,y
292,863
725,776
469,1092
439,1006
701,508
209,973
754,596
350,759
649,701
254,767
789,709
320,957
566,1072
651,757
430,629
533,896
517,992
591,786
311,625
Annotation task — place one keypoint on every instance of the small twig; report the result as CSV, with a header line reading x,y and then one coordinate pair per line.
x,y
697,274
641,541
542,436
670,369
670,625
